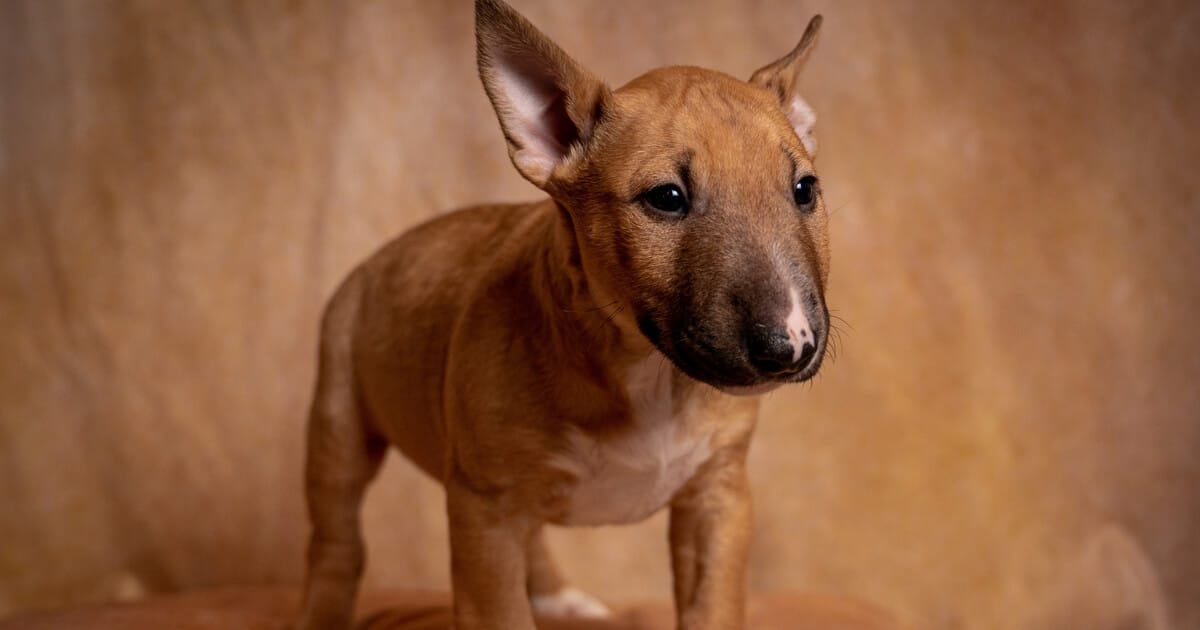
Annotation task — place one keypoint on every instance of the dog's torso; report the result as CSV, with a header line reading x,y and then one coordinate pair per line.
x,y
437,317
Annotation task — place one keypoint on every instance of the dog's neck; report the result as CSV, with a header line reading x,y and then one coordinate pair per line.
x,y
582,321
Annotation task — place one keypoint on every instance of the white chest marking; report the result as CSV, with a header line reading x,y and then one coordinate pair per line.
x,y
627,477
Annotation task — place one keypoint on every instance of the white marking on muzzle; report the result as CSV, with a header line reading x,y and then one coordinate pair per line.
x,y
799,332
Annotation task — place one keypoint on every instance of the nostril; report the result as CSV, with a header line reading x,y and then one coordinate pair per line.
x,y
806,354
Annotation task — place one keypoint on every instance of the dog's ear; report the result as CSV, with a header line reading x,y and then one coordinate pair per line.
x,y
546,102
781,78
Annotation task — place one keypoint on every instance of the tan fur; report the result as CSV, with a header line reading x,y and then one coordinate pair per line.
x,y
497,347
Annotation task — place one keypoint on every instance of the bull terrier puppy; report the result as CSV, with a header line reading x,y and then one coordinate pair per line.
x,y
591,358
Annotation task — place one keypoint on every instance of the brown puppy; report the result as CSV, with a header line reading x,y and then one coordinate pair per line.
x,y
572,361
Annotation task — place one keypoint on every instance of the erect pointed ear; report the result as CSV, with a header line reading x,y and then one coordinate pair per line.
x,y
781,78
546,102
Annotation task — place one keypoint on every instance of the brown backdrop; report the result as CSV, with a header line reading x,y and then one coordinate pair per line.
x,y
1007,439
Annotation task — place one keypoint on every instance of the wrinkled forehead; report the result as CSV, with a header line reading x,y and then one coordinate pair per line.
x,y
707,119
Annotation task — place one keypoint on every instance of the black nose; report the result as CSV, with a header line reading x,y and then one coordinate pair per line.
x,y
771,351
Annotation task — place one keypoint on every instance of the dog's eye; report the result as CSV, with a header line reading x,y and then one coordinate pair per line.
x,y
667,198
806,192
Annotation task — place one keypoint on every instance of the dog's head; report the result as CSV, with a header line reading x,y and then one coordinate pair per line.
x,y
691,195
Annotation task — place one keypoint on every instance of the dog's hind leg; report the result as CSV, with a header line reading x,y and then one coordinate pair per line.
x,y
549,593
343,457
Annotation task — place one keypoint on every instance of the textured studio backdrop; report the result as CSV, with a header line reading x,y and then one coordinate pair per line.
x,y
1009,437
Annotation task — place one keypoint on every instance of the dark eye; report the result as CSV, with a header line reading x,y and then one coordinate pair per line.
x,y
806,192
667,198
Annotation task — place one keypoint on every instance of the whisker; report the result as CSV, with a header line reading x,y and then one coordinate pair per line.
x,y
590,310
833,315
610,317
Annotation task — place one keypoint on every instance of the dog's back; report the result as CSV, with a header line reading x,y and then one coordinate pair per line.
x,y
393,317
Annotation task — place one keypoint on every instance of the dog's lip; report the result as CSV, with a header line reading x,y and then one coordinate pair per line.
x,y
771,385
695,360
751,390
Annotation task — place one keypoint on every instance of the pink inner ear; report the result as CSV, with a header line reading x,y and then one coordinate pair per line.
x,y
803,119
538,122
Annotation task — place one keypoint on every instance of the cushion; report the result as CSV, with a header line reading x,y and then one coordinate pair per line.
x,y
272,609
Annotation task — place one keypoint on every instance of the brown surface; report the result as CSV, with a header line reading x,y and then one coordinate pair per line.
x,y
271,609
1016,239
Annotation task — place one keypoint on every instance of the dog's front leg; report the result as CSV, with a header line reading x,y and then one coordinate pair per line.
x,y
487,560
710,531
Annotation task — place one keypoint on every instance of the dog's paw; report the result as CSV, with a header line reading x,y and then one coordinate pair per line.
x,y
569,602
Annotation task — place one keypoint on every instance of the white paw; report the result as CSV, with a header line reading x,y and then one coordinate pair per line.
x,y
569,602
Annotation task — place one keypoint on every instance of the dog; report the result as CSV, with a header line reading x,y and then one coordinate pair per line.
x,y
591,358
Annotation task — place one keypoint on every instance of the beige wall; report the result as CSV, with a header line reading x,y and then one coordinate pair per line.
x,y
1008,438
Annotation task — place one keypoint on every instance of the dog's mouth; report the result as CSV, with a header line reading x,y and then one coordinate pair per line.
x,y
728,370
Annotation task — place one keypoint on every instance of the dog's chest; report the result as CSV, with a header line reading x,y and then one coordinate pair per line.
x,y
626,477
